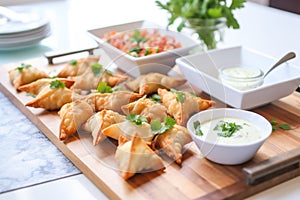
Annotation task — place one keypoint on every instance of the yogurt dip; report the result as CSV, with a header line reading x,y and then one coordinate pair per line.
x,y
241,78
228,130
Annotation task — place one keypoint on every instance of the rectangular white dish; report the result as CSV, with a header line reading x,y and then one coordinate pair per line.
x,y
160,62
201,70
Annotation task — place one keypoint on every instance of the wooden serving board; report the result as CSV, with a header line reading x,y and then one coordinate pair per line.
x,y
197,178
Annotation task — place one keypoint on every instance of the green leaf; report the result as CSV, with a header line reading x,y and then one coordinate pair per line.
x,y
226,129
97,69
23,66
73,62
104,88
273,121
156,98
30,95
57,84
158,127
137,119
235,4
285,126
197,128
180,96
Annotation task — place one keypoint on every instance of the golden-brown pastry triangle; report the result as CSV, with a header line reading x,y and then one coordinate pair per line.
x,y
73,115
25,74
136,156
101,120
77,67
181,105
36,86
172,142
149,83
147,108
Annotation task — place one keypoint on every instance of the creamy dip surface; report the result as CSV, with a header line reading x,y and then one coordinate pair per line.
x,y
242,78
219,130
242,72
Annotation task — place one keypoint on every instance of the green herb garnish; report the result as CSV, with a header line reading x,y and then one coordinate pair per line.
x,y
180,95
57,84
158,127
23,66
73,62
136,37
197,128
274,124
104,88
137,119
226,129
30,95
156,98
285,126
97,69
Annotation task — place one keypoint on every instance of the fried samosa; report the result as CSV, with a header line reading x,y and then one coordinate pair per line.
x,y
172,141
112,101
149,83
127,129
147,108
101,120
36,86
89,80
51,98
25,74
181,105
73,115
136,156
77,67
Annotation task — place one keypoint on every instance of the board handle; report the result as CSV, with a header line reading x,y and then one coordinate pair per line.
x,y
54,54
273,167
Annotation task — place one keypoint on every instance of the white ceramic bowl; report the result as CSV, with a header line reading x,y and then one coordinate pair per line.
x,y
229,154
203,71
161,62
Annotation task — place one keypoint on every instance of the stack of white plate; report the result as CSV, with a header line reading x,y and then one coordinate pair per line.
x,y
26,30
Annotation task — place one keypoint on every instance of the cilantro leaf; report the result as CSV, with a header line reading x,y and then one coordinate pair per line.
x,y
180,96
285,126
155,98
57,84
226,129
197,128
104,88
97,69
137,119
23,66
158,127
73,62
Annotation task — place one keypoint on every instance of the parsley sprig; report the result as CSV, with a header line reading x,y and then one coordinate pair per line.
x,y
158,127
274,124
226,129
180,96
97,69
57,84
23,66
197,127
137,119
104,88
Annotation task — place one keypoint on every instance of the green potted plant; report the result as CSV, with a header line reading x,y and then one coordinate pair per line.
x,y
206,17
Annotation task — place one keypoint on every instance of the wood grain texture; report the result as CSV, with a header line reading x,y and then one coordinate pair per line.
x,y
197,178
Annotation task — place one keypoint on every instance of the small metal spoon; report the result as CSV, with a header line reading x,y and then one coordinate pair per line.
x,y
285,58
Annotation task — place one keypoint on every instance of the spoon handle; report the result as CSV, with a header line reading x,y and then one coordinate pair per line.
x,y
285,58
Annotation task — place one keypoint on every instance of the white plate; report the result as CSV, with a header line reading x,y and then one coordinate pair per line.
x,y
161,62
201,70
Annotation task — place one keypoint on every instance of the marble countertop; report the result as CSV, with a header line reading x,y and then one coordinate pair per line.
x,y
31,165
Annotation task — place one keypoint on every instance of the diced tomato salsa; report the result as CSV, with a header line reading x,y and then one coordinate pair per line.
x,y
140,43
